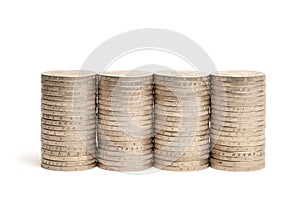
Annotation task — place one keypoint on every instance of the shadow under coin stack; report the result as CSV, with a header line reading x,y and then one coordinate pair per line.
x,y
68,121
125,130
181,120
238,120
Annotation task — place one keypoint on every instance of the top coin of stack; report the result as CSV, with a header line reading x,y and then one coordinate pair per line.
x,y
238,120
125,106
181,120
68,121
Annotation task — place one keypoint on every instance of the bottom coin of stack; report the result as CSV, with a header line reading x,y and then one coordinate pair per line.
x,y
125,121
68,132
181,121
237,120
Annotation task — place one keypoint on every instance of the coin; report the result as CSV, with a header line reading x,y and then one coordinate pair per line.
x,y
68,164
181,114
125,108
134,158
180,163
125,148
187,133
129,99
182,83
69,153
184,168
184,93
126,123
220,113
69,98
184,153
68,128
127,113
182,103
238,75
127,168
69,94
245,125
183,139
182,148
125,163
125,83
238,159
126,129
238,143
68,103
180,75
182,120
68,132
69,138
70,84
120,87
238,119
238,163
73,168
69,89
181,159
181,90
82,147
183,124
126,75
126,119
238,109
236,103
179,143
128,104
124,153
67,75
124,138
238,153
184,129
237,139
125,132
68,143
238,169
67,123
68,158
125,143
238,148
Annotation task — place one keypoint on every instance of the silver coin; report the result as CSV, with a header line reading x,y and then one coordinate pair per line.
x,y
74,168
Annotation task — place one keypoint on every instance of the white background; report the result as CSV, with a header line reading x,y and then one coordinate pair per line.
x,y
36,36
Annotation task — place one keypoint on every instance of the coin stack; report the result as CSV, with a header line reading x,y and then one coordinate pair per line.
x,y
68,121
181,120
237,120
125,128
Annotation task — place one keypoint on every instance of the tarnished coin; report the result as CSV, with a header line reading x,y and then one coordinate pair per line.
x,y
73,168
237,169
238,148
182,168
126,168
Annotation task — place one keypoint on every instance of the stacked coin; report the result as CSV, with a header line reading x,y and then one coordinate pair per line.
x,y
181,120
125,128
68,121
237,120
